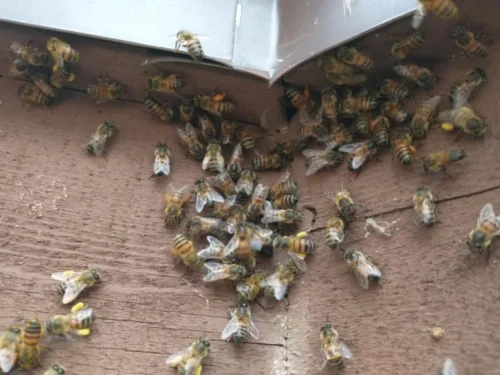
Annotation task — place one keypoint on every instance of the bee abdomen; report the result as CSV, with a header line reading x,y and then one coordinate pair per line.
x,y
382,138
286,201
71,55
480,51
195,49
404,156
240,335
337,362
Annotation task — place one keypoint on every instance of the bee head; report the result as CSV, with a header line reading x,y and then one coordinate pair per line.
x,y
351,256
199,181
458,32
59,369
204,341
327,326
95,274
343,52
241,271
243,304
15,329
477,74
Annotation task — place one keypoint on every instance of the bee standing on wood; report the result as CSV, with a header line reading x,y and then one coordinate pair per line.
x,y
318,159
487,227
344,204
186,251
186,111
334,232
162,83
421,76
249,288
29,54
29,350
329,103
175,201
424,116
213,160
31,93
403,147
205,194
105,90
245,182
288,216
298,248
437,161
234,166
463,118
466,40
188,360
77,322
391,89
62,52
10,342
228,130
99,140
276,285
73,283
359,153
395,112
164,113
161,164
333,351
380,126
402,48
425,208
218,271
352,56
189,139
240,325
363,266
222,210
266,162
463,90
255,208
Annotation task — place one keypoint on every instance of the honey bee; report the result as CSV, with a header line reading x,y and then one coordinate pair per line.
x,y
266,162
245,182
249,288
392,89
99,140
346,79
288,216
186,111
329,103
344,204
240,325
188,361
296,97
62,52
361,102
191,42
41,80
463,90
466,40
340,135
224,182
448,368
380,126
333,351
246,241
445,9
189,139
175,201
402,47
31,93
210,105
424,116
298,248
234,166
207,127
487,227
222,210
213,160
77,322
215,250
276,285
359,153
421,76
10,342
74,282
161,164
244,137
203,225
335,232
185,250
164,113
218,271
162,83
29,349
316,160
352,56
255,208
55,370
286,201
363,266
286,150
395,112
425,208
403,147
312,126
362,123
238,215
29,54
331,64
105,90
465,119
228,130
205,194
61,75
20,68
436,161
285,185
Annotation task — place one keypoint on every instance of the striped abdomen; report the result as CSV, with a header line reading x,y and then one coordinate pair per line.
x,y
223,107
475,47
365,103
182,245
245,139
155,107
304,246
32,332
402,151
297,98
241,334
194,48
286,201
263,162
70,54
81,323
337,362
443,8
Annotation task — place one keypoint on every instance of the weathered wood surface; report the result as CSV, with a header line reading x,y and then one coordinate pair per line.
x,y
61,209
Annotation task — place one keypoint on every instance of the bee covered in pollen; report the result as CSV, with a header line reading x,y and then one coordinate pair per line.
x,y
421,76
191,42
218,271
424,116
467,41
105,90
334,232
276,285
77,322
437,161
333,351
98,142
352,56
298,248
249,288
164,113
188,361
363,266
175,201
213,160
465,119
29,349
62,52
189,139
288,216
10,342
163,83
185,250
424,206
74,282
316,160
487,227
161,164
205,194
240,325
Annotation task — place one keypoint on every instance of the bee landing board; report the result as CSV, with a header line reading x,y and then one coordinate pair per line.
x,y
266,38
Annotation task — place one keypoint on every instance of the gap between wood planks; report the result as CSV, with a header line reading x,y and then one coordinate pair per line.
x,y
404,208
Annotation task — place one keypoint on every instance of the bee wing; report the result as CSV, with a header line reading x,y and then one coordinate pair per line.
x,y
220,161
284,177
419,15
200,202
65,275
192,365
277,286
365,270
190,132
161,166
256,243
315,164
460,96
237,153
346,352
449,368
216,271
323,359
258,191
446,115
213,250
206,161
298,261
359,160
244,185
312,153
351,148
175,359
486,214
231,200
231,246
252,329
230,328
8,357
73,288
214,196
339,237
83,314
